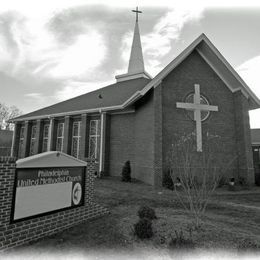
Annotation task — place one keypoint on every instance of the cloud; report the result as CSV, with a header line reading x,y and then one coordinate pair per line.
x,y
82,57
75,88
249,71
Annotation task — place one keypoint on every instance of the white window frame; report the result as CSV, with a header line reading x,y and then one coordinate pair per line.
x,y
33,139
60,137
77,136
96,136
44,138
21,139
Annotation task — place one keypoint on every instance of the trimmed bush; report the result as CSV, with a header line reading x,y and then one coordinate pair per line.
x,y
180,242
146,212
126,172
143,229
167,180
248,245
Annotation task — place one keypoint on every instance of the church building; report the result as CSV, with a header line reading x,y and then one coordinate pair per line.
x,y
137,117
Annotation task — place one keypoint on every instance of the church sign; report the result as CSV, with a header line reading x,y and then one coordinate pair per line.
x,y
43,190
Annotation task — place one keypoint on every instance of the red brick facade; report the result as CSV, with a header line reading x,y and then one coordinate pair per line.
x,y
144,132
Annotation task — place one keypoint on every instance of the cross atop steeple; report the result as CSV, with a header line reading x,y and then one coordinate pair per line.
x,y
136,11
136,61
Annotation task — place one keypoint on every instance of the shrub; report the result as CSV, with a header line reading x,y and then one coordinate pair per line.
x,y
222,181
242,181
126,172
146,212
143,228
248,245
167,181
180,242
257,179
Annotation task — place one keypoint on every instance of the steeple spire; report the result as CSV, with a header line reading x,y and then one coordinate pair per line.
x,y
136,62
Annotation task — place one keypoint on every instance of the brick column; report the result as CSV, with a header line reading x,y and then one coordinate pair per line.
x,y
27,137
83,137
158,162
15,140
38,143
67,135
243,138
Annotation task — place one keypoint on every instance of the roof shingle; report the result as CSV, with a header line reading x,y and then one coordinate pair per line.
x,y
112,95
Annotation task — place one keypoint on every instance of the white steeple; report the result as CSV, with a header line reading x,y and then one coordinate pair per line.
x,y
136,62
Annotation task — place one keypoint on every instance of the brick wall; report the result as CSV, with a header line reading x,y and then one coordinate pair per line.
x,y
19,233
121,147
243,138
180,83
144,139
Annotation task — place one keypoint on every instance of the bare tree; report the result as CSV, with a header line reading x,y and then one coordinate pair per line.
x,y
196,174
6,114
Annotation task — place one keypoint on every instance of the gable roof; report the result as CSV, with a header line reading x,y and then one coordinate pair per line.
x,y
111,97
216,61
124,93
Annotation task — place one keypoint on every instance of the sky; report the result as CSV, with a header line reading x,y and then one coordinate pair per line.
x,y
51,51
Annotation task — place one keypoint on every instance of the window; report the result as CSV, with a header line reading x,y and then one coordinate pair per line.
x,y
33,140
203,101
45,138
94,139
21,142
60,135
75,139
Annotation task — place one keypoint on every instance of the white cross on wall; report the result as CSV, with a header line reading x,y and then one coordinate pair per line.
x,y
197,107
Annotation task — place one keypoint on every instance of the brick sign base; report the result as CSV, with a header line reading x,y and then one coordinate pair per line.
x,y
19,233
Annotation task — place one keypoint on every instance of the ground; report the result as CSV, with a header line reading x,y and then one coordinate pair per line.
x,y
231,217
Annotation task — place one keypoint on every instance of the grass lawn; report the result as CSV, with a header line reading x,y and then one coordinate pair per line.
x,y
230,218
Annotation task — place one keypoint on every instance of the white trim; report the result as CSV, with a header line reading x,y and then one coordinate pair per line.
x,y
45,138
60,137
123,112
125,77
19,145
214,69
13,139
101,142
49,135
78,137
96,137
32,139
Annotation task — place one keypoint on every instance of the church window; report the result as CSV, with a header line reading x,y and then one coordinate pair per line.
x,y
75,139
203,101
21,142
60,136
33,140
94,139
45,138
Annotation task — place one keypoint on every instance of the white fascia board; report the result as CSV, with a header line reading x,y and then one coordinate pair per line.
x,y
173,64
46,116
232,71
217,72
